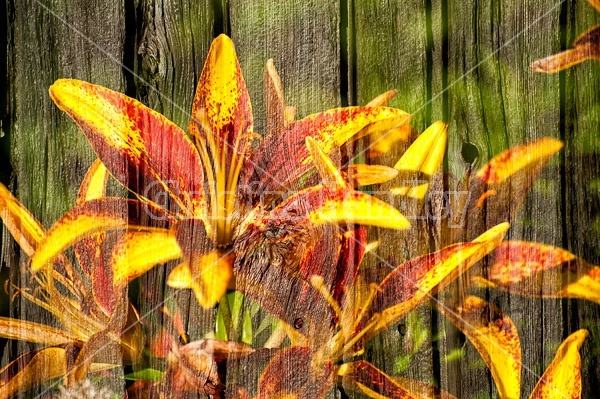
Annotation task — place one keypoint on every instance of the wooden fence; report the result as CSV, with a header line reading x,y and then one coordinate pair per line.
x,y
466,63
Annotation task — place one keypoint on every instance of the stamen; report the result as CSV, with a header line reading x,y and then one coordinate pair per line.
x,y
317,282
373,288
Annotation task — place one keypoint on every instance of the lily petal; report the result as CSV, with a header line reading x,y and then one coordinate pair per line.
x,y
535,269
29,331
327,170
586,47
383,99
363,377
130,139
282,159
495,337
563,376
411,283
91,217
425,155
366,175
208,269
274,100
94,183
518,159
88,250
32,369
208,277
222,101
323,204
497,190
137,252
23,226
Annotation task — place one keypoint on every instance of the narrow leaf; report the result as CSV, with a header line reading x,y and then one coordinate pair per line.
x,y
563,377
495,337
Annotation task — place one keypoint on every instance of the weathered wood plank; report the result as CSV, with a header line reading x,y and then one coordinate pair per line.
x,y
174,38
393,44
49,155
478,51
302,37
495,102
580,88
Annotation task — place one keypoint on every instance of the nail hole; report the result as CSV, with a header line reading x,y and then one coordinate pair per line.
x,y
298,323
469,152
402,329
184,338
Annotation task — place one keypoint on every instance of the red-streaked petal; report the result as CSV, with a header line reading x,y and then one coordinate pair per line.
x,y
323,204
91,217
540,270
517,159
363,377
495,337
87,250
282,159
141,148
496,192
563,377
222,100
586,47
411,283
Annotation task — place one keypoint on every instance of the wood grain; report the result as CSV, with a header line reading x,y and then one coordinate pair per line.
x,y
463,62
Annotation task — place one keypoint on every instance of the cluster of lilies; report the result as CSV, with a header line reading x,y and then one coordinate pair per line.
x,y
281,220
